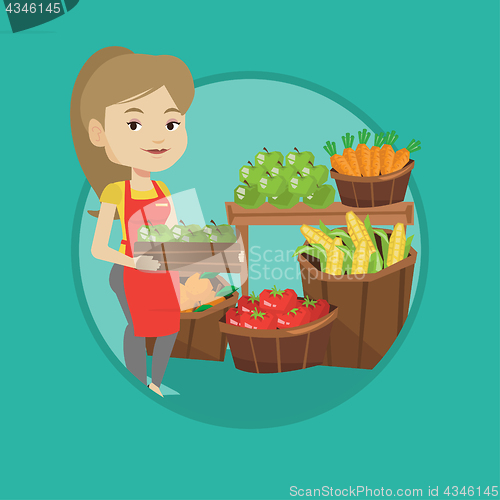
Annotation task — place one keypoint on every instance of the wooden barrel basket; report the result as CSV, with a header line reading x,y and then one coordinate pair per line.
x,y
372,309
281,350
199,336
373,191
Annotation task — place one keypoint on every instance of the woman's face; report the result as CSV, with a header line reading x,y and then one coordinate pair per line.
x,y
148,133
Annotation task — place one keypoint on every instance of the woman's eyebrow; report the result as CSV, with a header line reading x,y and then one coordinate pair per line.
x,y
136,110
172,109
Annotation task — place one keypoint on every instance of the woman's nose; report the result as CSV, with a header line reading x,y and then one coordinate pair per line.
x,y
159,142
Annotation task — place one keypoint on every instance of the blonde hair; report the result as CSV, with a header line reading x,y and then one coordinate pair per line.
x,y
110,76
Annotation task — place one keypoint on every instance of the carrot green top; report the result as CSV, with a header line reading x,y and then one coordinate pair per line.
x,y
379,140
330,148
413,146
348,140
364,136
391,138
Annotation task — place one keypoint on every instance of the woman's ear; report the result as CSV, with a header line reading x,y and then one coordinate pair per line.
x,y
96,134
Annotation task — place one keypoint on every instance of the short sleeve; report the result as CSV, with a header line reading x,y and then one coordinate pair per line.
x,y
163,187
111,194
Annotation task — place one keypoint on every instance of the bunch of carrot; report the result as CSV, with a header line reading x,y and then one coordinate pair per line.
x,y
380,159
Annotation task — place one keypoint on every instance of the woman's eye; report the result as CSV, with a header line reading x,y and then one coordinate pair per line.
x,y
172,125
134,126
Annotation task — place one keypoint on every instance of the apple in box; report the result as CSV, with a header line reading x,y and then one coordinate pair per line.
x,y
249,196
277,300
180,231
197,237
258,320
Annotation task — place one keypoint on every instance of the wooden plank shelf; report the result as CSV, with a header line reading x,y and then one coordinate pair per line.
x,y
334,215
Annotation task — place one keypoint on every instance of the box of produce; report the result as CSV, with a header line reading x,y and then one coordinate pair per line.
x,y
204,298
278,331
367,273
283,182
191,248
371,177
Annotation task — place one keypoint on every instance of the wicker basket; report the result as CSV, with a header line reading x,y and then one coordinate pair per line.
x,y
373,191
275,351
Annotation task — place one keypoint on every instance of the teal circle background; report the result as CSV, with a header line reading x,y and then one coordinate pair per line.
x,y
225,129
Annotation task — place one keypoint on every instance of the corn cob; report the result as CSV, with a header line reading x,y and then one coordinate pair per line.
x,y
357,231
316,236
397,243
335,259
361,258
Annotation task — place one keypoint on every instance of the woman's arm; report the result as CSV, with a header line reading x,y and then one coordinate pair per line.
x,y
100,245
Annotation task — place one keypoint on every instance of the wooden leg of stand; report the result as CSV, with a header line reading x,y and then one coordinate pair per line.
x,y
244,237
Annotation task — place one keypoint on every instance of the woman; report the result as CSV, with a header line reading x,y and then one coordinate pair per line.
x,y
128,120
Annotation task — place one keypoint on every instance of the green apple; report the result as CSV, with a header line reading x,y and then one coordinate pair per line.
x,y
302,185
195,237
272,185
319,172
249,196
286,171
251,174
215,229
299,160
269,159
285,200
323,197
223,238
143,233
162,233
180,231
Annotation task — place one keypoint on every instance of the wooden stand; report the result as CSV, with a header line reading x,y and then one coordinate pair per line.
x,y
334,215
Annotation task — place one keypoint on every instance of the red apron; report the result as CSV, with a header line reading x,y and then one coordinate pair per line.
x,y
152,296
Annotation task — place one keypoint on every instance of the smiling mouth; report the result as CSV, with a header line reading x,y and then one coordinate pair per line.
x,y
156,151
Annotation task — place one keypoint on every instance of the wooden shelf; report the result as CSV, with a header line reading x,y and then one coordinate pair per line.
x,y
334,215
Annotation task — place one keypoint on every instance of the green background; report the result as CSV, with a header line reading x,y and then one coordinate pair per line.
x,y
71,425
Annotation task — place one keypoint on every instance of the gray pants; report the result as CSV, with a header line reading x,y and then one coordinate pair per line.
x,y
134,348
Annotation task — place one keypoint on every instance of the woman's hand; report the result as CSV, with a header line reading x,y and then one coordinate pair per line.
x,y
146,263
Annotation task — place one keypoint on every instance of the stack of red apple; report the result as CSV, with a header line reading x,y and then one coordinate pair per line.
x,y
276,309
